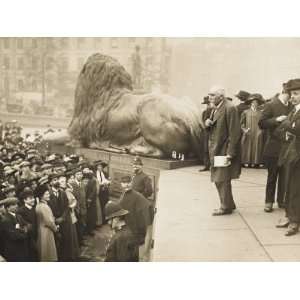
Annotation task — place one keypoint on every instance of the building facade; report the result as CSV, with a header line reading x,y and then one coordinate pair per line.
x,y
46,69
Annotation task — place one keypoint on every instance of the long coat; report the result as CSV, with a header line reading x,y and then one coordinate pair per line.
x,y
139,217
16,243
91,197
224,139
122,247
46,229
80,195
271,111
28,217
290,157
252,141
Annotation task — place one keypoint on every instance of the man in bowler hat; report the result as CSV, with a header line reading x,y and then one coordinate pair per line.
x,y
290,156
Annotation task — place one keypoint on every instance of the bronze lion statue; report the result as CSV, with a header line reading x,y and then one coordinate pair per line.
x,y
109,115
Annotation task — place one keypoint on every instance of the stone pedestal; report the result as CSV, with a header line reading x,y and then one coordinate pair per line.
x,y
121,164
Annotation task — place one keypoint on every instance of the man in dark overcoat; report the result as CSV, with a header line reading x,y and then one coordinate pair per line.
x,y
290,156
273,114
27,215
139,217
60,207
205,115
81,207
16,239
141,182
224,140
121,246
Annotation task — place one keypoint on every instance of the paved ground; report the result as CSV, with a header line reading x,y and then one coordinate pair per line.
x,y
186,231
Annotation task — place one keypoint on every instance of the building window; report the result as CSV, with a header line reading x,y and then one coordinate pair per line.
x,y
80,43
34,43
20,85
6,63
6,43
34,63
114,43
34,85
20,43
20,63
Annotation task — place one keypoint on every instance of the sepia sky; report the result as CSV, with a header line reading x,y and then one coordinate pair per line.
x,y
257,65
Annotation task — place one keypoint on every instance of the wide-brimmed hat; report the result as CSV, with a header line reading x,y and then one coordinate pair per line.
x,y
258,97
101,163
293,84
46,167
25,164
9,201
113,209
243,95
9,171
9,188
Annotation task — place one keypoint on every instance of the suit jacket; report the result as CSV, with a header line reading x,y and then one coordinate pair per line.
x,y
16,243
224,139
28,218
142,184
80,195
290,151
59,205
271,111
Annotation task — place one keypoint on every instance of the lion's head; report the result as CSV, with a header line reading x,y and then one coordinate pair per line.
x,y
100,85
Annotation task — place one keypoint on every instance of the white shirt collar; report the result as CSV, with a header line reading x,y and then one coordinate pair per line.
x,y
28,206
297,107
12,214
285,104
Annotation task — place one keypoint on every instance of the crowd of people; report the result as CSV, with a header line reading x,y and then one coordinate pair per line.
x,y
252,133
253,137
50,203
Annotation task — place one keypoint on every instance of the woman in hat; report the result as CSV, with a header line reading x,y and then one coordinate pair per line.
x,y
70,242
252,139
45,226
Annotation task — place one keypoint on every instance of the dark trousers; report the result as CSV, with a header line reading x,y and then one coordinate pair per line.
x,y
80,228
276,175
206,160
293,193
225,193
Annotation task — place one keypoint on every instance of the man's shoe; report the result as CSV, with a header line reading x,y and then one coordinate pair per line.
x,y
292,229
222,212
283,223
281,205
204,169
268,207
